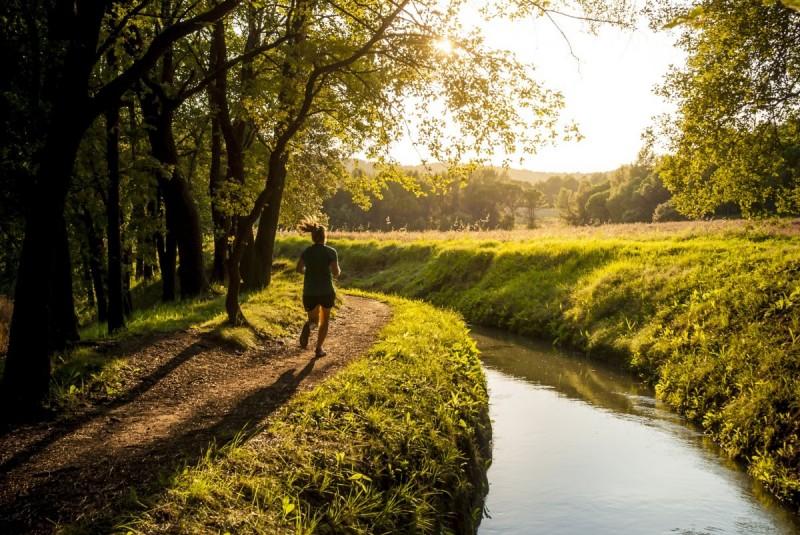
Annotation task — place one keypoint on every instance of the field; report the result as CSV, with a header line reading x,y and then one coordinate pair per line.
x,y
708,312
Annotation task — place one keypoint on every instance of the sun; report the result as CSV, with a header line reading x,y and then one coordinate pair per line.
x,y
444,46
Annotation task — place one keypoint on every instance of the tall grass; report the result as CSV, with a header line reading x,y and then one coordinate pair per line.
x,y
712,319
397,442
638,231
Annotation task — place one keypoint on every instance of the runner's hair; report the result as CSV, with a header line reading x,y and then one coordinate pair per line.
x,y
318,232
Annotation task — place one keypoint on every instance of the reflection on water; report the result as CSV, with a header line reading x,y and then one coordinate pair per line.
x,y
581,448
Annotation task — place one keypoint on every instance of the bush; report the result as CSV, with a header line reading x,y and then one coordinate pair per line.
x,y
666,212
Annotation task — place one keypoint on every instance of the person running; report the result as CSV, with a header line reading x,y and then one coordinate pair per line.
x,y
319,264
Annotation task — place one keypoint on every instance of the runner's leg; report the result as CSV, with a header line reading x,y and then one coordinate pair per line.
x,y
324,316
313,315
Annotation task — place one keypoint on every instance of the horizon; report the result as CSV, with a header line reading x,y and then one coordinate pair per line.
x,y
502,167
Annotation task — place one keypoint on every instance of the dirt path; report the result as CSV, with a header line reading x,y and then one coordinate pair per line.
x,y
185,392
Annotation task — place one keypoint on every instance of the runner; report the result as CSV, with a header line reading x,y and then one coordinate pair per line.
x,y
320,264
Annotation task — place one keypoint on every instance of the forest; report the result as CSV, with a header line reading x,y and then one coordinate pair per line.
x,y
157,156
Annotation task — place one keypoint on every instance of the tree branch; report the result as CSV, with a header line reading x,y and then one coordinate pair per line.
x,y
183,95
115,88
310,89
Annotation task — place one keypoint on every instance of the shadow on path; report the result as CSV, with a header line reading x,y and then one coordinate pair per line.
x,y
61,429
145,469
187,394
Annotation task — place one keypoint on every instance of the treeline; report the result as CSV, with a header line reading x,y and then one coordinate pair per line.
x,y
489,199
486,199
632,193
135,135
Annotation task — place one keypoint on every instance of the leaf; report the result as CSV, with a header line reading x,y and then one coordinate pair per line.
x,y
356,476
693,17
287,505
792,4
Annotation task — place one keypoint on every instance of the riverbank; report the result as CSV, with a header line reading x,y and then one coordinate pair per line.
x,y
397,441
711,319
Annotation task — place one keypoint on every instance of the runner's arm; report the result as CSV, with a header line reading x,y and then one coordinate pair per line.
x,y
301,266
334,265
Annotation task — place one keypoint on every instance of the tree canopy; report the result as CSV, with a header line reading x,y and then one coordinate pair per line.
x,y
736,137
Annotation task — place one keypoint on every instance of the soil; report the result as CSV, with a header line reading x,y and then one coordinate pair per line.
x,y
183,392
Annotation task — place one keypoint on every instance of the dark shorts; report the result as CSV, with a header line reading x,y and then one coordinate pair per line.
x,y
310,302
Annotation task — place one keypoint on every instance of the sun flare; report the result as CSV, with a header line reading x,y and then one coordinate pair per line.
x,y
444,46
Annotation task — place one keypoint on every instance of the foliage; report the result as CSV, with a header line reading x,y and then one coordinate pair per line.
x,y
397,442
629,194
736,136
485,200
712,319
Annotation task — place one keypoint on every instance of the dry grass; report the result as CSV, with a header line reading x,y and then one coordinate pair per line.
x,y
6,308
636,231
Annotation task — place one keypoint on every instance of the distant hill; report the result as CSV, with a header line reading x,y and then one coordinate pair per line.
x,y
522,175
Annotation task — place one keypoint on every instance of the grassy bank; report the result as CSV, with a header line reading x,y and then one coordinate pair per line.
x,y
713,319
396,442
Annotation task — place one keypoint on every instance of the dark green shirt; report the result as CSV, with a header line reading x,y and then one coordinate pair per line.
x,y
318,278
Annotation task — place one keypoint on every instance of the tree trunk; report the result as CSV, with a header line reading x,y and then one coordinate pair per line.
x,y
127,271
260,268
116,318
65,325
183,221
86,274
44,315
220,220
244,236
167,256
96,256
182,216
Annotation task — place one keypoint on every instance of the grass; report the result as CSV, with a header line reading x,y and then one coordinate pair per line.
x,y
711,318
756,229
87,371
396,442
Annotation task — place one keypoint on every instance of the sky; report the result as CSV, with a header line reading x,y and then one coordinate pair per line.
x,y
608,89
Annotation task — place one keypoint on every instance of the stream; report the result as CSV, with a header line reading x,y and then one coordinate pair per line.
x,y
580,447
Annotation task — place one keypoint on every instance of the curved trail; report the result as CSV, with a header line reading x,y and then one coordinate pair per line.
x,y
184,392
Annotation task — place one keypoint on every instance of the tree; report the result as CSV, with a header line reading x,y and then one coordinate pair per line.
x,y
735,138
352,82
65,42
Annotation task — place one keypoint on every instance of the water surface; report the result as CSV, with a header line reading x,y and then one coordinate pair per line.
x,y
582,448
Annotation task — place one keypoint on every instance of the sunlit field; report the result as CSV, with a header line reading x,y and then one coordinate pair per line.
x,y
704,311
738,228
